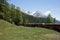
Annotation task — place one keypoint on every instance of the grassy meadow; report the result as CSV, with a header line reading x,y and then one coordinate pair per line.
x,y
12,32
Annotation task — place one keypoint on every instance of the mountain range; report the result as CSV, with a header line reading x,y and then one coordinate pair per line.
x,y
35,13
38,14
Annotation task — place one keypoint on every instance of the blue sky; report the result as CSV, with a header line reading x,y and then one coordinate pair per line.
x,y
45,6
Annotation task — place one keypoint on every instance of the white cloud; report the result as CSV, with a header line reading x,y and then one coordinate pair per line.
x,y
48,12
58,19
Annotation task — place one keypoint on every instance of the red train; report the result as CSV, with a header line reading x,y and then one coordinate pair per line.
x,y
44,25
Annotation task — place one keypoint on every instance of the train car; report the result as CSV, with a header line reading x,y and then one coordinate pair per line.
x,y
44,25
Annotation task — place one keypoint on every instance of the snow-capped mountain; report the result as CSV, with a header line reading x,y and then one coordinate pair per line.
x,y
38,14
35,13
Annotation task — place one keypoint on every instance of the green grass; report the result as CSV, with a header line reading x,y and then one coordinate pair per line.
x,y
12,32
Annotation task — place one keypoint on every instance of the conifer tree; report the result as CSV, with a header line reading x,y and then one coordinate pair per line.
x,y
49,19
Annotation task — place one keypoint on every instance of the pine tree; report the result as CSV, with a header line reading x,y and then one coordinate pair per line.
x,y
18,17
49,19
12,13
3,2
54,20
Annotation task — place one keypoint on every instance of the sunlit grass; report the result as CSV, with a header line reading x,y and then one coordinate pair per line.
x,y
12,32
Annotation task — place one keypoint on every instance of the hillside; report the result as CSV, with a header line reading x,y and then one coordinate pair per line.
x,y
12,32
31,19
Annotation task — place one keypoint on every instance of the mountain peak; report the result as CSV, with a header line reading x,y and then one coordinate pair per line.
x,y
38,14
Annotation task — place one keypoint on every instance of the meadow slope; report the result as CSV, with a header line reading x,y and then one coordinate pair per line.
x,y
12,32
